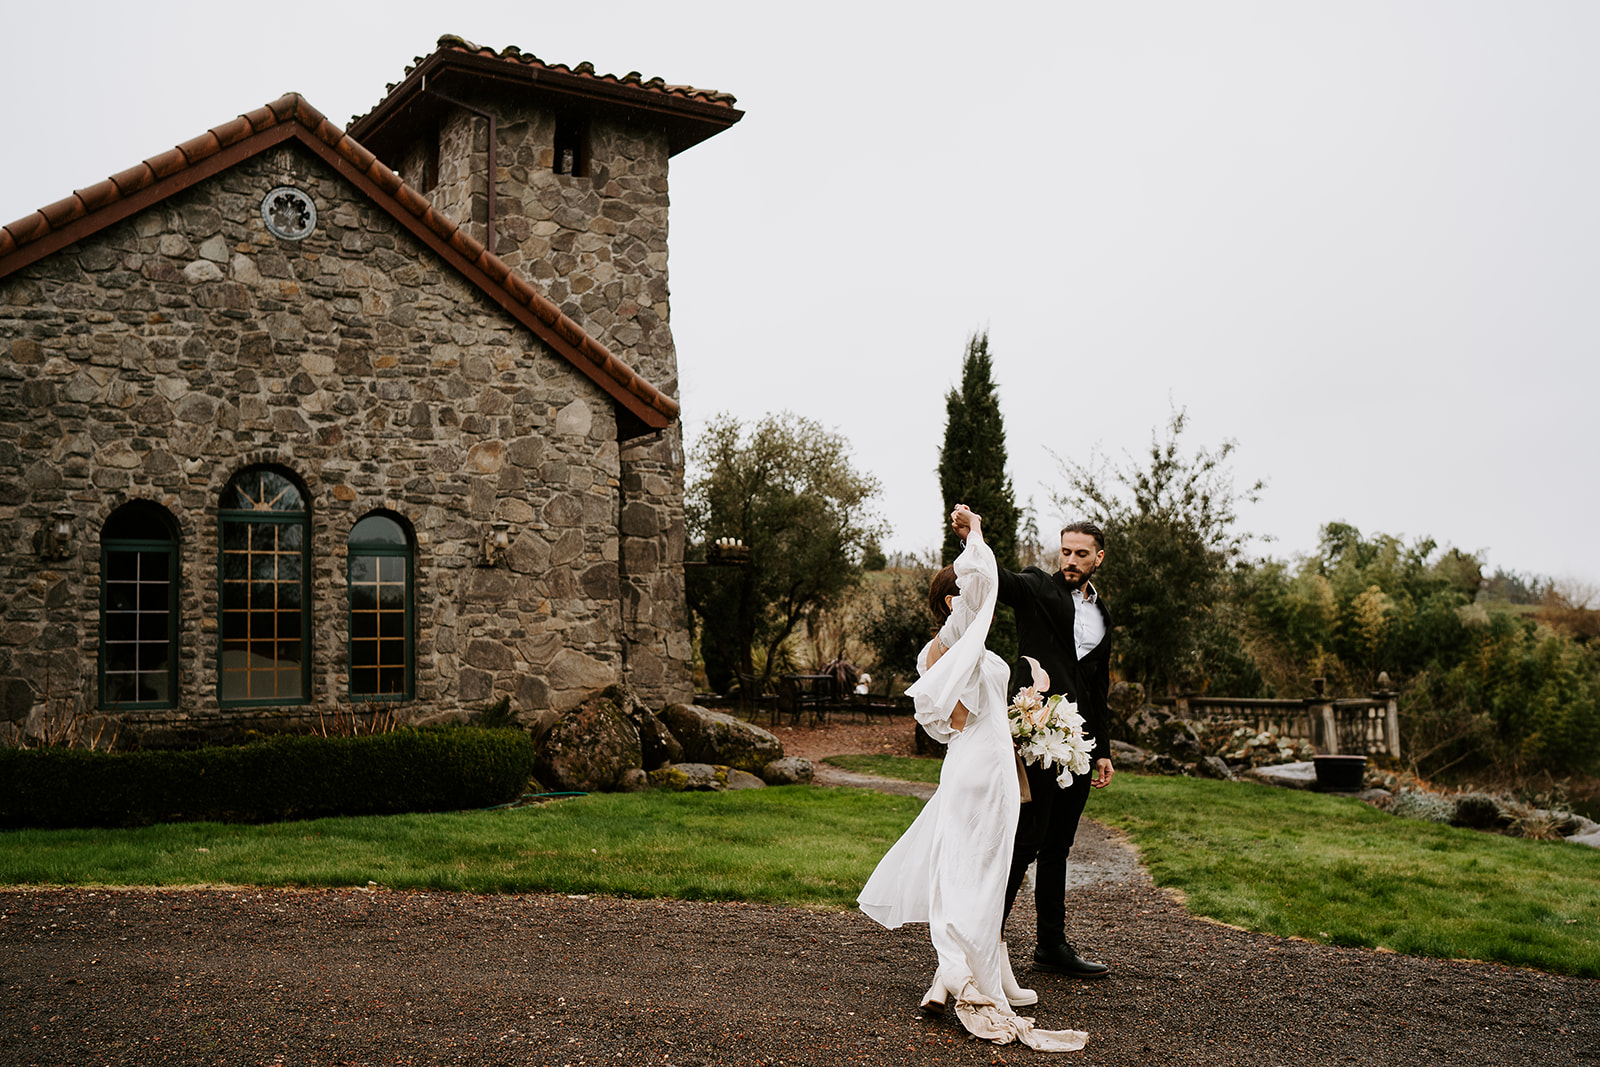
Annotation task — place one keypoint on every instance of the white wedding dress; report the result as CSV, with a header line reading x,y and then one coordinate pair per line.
x,y
949,868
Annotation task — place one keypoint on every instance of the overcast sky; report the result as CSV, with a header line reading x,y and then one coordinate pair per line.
x,y
1360,238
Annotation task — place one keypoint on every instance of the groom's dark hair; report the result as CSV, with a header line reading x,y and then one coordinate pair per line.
x,y
1085,527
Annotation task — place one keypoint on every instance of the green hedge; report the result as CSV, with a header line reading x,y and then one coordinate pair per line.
x,y
286,777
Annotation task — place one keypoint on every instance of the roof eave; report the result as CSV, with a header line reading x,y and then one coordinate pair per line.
x,y
687,121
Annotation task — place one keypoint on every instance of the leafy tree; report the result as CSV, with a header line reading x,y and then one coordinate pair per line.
x,y
1171,544
1521,698
896,622
785,487
1357,607
1484,687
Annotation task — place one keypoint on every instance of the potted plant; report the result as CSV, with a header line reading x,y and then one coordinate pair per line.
x,y
1340,774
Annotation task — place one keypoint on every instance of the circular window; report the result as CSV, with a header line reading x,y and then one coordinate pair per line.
x,y
289,213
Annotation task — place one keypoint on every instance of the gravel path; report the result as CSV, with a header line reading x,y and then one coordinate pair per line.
x,y
344,977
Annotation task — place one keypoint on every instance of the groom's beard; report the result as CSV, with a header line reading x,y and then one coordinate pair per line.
x,y
1076,578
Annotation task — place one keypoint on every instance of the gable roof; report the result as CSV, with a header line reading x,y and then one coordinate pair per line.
x,y
290,117
687,115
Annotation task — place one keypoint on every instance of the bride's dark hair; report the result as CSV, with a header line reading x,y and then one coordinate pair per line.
x,y
944,584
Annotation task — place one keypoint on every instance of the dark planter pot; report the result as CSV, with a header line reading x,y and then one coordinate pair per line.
x,y
1340,774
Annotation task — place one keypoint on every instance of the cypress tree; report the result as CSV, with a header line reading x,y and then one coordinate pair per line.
x,y
972,463
972,471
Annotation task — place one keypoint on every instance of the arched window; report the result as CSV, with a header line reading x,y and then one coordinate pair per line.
x,y
381,609
139,608
265,647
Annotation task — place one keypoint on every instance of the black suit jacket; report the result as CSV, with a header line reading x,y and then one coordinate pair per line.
x,y
1045,608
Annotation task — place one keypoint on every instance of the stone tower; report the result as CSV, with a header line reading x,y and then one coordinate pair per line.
x,y
562,173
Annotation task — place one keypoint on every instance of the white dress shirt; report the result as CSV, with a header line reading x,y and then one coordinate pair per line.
x,y
1088,625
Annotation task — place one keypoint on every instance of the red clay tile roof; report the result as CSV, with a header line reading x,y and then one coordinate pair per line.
x,y
511,53
87,211
689,115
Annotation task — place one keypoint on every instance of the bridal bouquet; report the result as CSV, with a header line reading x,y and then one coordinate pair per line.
x,y
1049,732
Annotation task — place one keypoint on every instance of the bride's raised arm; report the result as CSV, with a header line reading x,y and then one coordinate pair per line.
x,y
951,668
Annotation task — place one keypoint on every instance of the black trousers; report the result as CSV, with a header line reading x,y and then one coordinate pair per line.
x,y
1045,831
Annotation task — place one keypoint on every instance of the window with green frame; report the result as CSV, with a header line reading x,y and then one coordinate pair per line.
x,y
382,609
139,608
264,651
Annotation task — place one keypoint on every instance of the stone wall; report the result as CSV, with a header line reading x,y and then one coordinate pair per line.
x,y
596,243
164,354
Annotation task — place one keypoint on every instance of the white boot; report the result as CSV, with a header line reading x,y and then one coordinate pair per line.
x,y
933,1000
1015,994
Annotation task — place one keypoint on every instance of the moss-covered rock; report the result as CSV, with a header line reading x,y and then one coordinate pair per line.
x,y
702,778
791,770
718,738
590,747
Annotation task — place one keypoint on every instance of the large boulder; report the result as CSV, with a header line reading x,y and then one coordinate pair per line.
x,y
702,778
1125,697
657,743
716,737
1301,775
1178,738
1592,838
590,747
791,770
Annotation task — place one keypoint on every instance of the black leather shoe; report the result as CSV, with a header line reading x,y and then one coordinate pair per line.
x,y
1064,959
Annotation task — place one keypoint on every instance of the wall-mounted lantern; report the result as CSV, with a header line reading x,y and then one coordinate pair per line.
x,y
496,542
55,536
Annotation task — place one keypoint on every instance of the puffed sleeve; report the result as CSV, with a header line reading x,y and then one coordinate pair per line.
x,y
957,675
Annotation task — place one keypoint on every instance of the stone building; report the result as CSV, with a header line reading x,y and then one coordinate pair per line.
x,y
298,421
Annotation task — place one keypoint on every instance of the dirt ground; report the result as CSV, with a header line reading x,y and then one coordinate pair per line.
x,y
345,977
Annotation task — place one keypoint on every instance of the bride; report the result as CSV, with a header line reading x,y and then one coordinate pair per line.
x,y
949,868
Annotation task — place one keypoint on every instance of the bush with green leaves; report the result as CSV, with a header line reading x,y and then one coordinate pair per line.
x,y
284,777
1421,804
896,622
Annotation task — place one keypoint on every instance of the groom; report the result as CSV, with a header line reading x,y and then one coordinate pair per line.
x,y
1062,623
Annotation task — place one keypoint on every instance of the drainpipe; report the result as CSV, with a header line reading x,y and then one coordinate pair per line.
x,y
489,241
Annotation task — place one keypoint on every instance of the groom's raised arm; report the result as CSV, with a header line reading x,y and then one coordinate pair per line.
x,y
1012,588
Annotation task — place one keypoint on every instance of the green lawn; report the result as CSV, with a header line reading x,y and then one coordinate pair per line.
x,y
902,767
1336,870
799,845
1274,860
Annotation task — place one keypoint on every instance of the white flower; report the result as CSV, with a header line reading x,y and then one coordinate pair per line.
x,y
1080,749
1056,749
1049,732
1067,717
